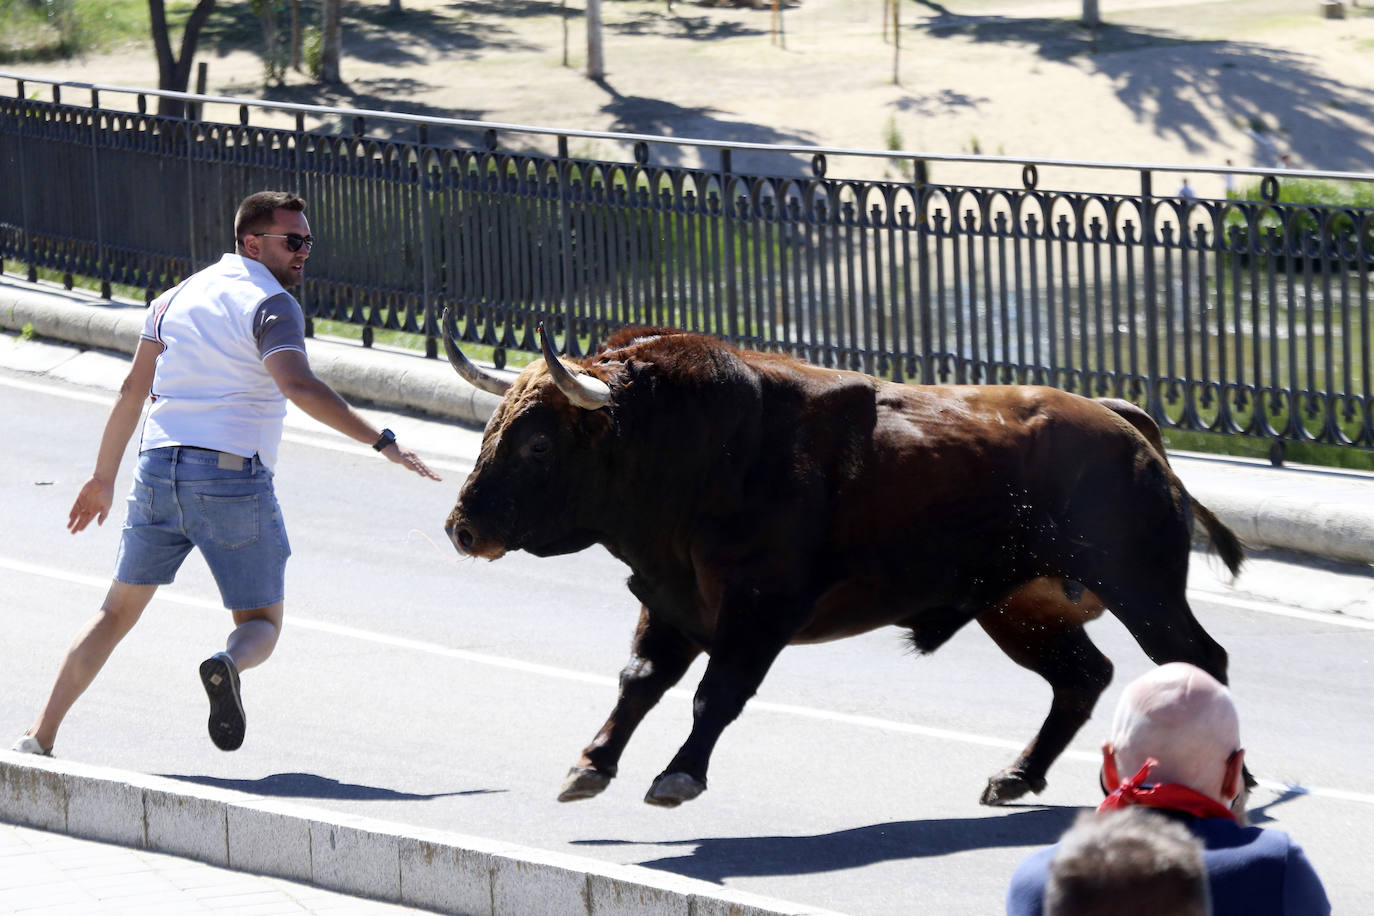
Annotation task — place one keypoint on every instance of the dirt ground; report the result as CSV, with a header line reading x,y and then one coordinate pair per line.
x,y
1162,81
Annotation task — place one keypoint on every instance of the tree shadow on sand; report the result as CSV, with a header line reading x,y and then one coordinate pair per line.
x,y
308,785
643,115
691,28
1182,86
373,33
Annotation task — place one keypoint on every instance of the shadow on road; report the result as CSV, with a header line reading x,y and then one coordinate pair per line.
x,y
308,785
717,858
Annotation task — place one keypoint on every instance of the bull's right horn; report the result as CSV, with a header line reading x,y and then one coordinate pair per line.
x,y
464,367
585,391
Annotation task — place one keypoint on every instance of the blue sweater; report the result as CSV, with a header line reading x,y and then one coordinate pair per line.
x,y
1251,871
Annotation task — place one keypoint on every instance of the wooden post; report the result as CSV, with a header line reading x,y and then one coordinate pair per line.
x,y
896,42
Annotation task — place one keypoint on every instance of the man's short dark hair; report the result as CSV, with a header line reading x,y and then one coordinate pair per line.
x,y
256,211
1131,862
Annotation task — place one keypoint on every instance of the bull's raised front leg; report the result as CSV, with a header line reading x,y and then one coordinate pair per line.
x,y
742,650
659,656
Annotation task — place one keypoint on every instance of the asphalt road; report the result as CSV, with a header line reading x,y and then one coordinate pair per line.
x,y
418,687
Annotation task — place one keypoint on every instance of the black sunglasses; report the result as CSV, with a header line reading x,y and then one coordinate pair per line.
x,y
294,240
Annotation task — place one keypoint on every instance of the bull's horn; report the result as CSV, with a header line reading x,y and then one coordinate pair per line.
x,y
585,391
479,379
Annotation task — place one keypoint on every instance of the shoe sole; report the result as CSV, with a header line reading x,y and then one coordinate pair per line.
x,y
226,722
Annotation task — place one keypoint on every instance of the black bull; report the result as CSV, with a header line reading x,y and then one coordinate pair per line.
x,y
761,501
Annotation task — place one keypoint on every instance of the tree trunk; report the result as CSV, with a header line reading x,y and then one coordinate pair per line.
x,y
174,73
1090,14
271,53
331,36
596,64
296,35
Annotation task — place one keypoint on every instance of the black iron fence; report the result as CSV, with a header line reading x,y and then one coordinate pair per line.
x,y
1245,317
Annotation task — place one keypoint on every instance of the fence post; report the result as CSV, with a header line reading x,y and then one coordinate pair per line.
x,y
95,195
1153,404
565,268
193,112
298,156
728,244
921,177
426,256
23,192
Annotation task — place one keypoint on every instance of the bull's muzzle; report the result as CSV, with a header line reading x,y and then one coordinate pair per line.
x,y
467,541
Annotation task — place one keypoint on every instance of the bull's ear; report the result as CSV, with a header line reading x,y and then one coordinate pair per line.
x,y
585,391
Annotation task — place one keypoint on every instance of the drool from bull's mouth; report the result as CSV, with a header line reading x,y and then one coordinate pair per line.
x,y
760,501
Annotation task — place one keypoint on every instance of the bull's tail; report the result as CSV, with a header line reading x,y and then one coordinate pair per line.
x,y
1224,540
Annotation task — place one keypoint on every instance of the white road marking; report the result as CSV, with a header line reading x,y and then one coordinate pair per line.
x,y
565,674
1281,610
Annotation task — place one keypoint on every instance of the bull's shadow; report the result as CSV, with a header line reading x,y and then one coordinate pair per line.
x,y
1031,827
309,785
718,858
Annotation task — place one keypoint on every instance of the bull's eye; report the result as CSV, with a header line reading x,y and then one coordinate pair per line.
x,y
540,446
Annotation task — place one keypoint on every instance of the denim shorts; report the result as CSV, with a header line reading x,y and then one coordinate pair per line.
x,y
187,497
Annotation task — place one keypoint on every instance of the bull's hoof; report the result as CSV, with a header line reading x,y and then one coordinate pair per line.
x,y
1007,786
672,789
583,783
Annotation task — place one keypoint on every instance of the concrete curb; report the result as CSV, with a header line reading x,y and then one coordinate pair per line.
x,y
382,376
436,870
1330,530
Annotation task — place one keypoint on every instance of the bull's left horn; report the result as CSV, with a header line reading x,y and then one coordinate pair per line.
x,y
465,367
585,391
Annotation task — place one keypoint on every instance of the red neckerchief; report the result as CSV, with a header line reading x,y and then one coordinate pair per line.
x,y
1170,795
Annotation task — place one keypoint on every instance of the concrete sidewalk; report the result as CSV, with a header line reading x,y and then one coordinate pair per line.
x,y
46,874
1324,516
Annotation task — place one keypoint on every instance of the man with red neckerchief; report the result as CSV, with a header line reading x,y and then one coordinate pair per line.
x,y
1177,736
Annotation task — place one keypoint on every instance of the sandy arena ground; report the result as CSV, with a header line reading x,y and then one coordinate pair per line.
x,y
1163,81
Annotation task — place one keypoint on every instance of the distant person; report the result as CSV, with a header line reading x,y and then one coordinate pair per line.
x,y
1131,862
220,355
1229,180
1186,192
1176,731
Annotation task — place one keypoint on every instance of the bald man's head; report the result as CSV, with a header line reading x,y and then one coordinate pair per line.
x,y
1183,717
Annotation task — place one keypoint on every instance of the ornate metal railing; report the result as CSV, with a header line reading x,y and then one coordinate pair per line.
x,y
1247,317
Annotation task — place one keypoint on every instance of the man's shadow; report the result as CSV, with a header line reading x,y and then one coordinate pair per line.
x,y
308,785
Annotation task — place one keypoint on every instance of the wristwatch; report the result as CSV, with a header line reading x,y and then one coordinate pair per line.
x,y
388,438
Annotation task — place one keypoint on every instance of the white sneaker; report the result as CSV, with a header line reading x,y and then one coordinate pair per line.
x,y
28,744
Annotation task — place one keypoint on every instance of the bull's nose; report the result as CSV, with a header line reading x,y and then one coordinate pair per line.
x,y
461,537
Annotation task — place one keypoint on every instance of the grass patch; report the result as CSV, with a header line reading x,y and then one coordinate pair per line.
x,y
1333,456
1316,191
45,30
327,327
